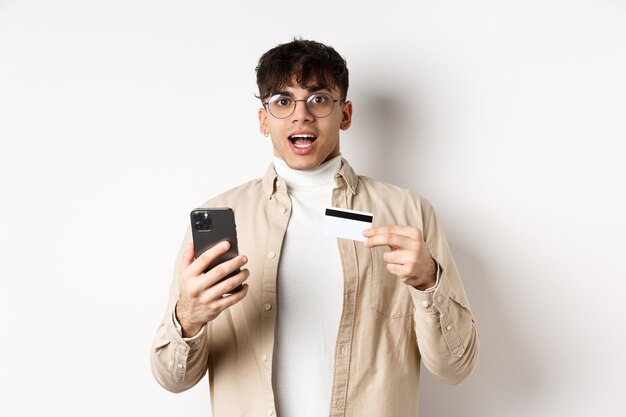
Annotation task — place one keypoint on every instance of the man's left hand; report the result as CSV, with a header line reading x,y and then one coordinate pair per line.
x,y
408,258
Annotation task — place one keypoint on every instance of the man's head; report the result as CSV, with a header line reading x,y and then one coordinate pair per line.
x,y
304,61
303,86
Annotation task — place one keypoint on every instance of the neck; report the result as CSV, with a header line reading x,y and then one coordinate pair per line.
x,y
322,175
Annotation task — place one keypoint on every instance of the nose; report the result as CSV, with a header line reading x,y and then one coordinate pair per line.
x,y
301,112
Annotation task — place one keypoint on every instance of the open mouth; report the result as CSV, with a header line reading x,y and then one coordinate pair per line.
x,y
302,140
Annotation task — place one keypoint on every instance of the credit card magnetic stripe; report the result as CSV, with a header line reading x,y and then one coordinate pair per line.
x,y
350,215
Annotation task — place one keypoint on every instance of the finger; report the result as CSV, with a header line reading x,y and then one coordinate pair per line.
x,y
221,288
206,281
201,263
222,303
186,258
394,241
221,271
408,231
399,270
400,257
209,287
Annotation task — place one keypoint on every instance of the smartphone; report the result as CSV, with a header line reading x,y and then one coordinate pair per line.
x,y
210,226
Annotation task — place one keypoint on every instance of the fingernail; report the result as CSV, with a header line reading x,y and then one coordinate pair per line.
x,y
225,244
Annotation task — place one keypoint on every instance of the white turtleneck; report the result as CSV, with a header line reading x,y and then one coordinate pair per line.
x,y
310,295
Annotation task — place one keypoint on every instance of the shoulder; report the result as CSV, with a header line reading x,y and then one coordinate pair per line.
x,y
376,193
390,194
241,194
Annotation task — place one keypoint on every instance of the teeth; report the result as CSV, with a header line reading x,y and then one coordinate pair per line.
x,y
302,140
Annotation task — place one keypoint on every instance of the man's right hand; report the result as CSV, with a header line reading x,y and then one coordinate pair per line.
x,y
202,299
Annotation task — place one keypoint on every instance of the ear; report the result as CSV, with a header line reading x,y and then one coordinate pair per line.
x,y
263,128
346,115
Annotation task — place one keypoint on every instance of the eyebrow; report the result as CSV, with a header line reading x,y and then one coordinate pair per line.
x,y
318,87
311,89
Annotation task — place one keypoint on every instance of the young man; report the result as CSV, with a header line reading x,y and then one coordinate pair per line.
x,y
323,325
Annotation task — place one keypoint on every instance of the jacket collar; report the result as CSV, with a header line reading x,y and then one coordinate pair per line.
x,y
346,175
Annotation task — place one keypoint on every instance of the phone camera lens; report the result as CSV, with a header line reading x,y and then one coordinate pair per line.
x,y
201,220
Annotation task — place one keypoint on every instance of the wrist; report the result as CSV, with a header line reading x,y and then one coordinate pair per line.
x,y
427,285
190,331
431,281
187,328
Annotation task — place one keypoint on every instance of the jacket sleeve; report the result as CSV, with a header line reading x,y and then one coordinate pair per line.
x,y
177,363
447,335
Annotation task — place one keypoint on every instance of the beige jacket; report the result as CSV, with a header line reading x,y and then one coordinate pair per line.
x,y
386,327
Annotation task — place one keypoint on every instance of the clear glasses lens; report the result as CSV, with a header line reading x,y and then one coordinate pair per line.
x,y
282,106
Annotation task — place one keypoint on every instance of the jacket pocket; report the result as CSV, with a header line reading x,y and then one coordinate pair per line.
x,y
388,295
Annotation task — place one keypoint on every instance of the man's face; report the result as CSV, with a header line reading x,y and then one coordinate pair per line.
x,y
303,140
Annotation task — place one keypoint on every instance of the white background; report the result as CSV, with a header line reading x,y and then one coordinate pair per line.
x,y
118,117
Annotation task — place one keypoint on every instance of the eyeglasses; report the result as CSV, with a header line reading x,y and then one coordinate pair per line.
x,y
282,106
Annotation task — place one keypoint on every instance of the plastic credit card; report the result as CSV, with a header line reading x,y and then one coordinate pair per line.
x,y
346,224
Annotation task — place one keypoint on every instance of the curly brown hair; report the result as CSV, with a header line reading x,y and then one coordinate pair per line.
x,y
305,60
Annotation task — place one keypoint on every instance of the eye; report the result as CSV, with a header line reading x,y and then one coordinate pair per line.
x,y
318,99
281,101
